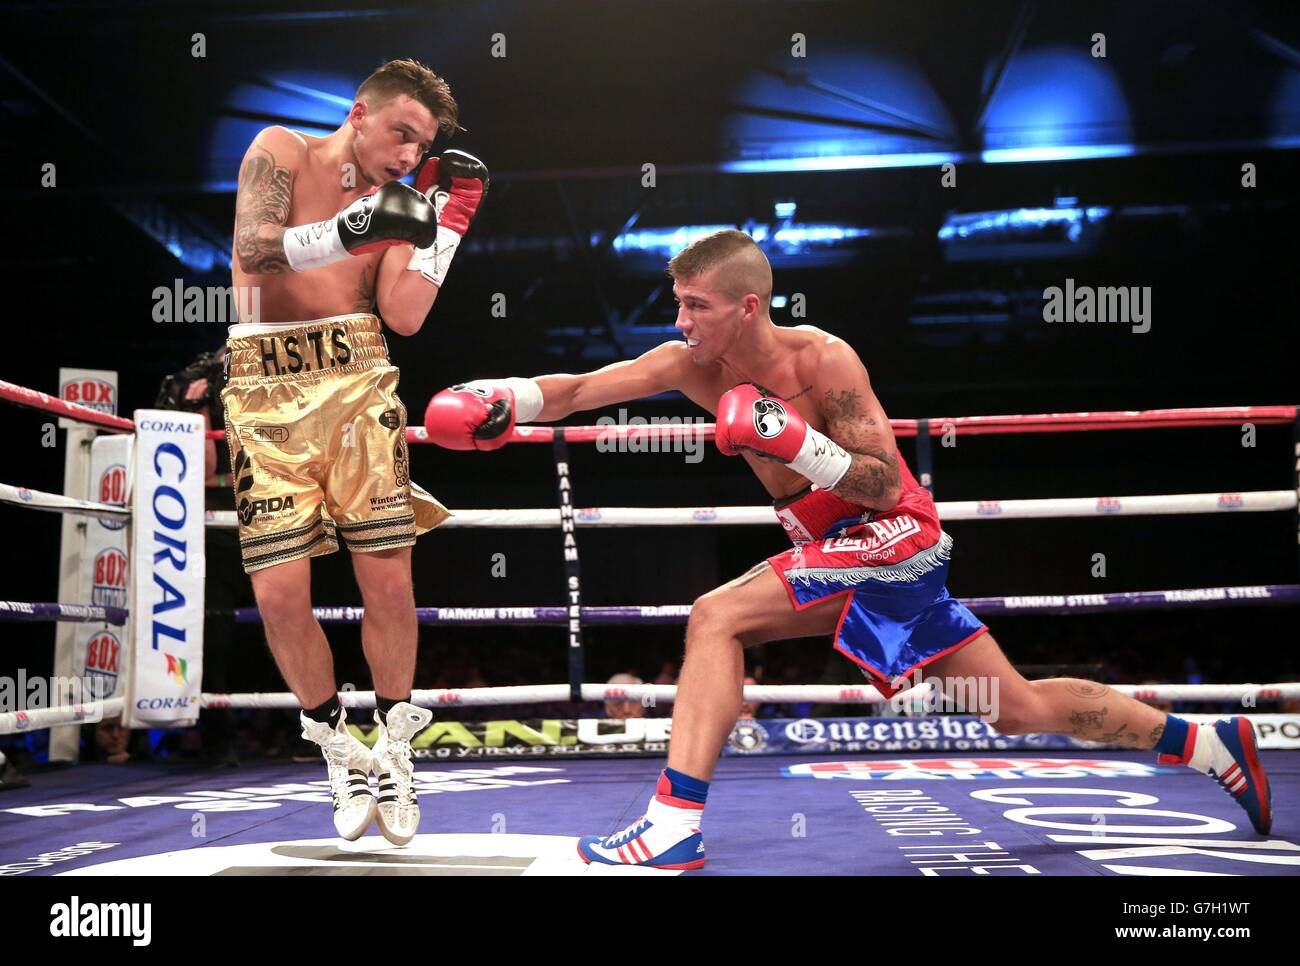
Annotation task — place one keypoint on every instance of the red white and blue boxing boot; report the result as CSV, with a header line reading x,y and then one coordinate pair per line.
x,y
667,836
1228,754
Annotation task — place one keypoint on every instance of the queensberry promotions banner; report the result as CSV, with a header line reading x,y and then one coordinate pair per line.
x,y
598,737
169,566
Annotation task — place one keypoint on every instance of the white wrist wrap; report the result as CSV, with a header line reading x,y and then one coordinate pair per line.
x,y
311,246
821,460
433,262
528,398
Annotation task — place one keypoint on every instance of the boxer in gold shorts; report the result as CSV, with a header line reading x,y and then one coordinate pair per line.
x,y
329,240
318,447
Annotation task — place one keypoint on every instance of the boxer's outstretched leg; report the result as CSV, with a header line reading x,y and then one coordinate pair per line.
x,y
749,610
1095,712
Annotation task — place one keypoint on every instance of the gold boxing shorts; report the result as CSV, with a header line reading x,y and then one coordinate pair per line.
x,y
318,446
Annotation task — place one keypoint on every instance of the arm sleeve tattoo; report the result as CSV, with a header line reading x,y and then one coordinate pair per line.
x,y
874,470
261,212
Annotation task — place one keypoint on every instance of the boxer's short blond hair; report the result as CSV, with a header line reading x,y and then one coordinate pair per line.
x,y
412,78
747,268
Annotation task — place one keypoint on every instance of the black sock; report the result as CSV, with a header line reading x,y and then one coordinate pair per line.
x,y
385,705
327,713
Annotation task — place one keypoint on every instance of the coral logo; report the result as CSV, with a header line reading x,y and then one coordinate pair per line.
x,y
988,508
178,668
705,514
159,704
1231,501
588,514
1108,504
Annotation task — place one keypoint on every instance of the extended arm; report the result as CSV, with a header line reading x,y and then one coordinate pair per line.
x,y
653,372
482,414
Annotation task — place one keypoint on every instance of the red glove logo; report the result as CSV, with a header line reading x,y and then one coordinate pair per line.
x,y
769,418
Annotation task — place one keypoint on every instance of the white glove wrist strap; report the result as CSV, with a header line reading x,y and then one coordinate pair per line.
x,y
528,398
313,246
821,460
433,262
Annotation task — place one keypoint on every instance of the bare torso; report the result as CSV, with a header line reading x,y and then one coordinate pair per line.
x,y
792,374
347,286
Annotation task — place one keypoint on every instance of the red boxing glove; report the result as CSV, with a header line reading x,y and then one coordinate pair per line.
x,y
752,419
481,414
749,419
475,415
456,183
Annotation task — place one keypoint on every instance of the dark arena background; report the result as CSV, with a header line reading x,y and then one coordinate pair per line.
x,y
929,181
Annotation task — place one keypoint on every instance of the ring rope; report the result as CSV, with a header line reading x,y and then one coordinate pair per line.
x,y
1258,501
1050,604
15,721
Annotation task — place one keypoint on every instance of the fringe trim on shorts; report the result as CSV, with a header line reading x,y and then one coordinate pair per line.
x,y
913,568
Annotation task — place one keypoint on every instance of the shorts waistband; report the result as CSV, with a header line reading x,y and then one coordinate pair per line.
x,y
343,343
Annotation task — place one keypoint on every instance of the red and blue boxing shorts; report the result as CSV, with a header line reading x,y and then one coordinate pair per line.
x,y
890,569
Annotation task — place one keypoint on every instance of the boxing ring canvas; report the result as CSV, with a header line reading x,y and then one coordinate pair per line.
x,y
966,815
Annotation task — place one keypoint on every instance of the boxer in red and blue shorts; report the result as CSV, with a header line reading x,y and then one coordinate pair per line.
x,y
887,571
869,562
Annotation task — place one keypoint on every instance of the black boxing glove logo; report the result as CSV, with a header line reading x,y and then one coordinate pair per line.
x,y
357,217
769,418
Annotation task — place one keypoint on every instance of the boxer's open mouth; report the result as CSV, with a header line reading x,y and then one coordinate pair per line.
x,y
394,172
692,343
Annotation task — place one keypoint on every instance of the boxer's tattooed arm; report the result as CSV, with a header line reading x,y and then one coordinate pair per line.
x,y
261,212
873,474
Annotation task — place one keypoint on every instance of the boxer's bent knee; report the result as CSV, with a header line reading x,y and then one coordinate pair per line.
x,y
389,596
1021,707
284,594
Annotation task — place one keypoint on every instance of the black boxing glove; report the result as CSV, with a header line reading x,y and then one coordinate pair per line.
x,y
396,214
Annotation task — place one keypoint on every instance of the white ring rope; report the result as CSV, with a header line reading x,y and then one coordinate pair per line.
x,y
1104,506
40,500
1244,694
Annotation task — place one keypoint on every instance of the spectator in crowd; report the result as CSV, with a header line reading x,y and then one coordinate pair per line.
x,y
624,707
